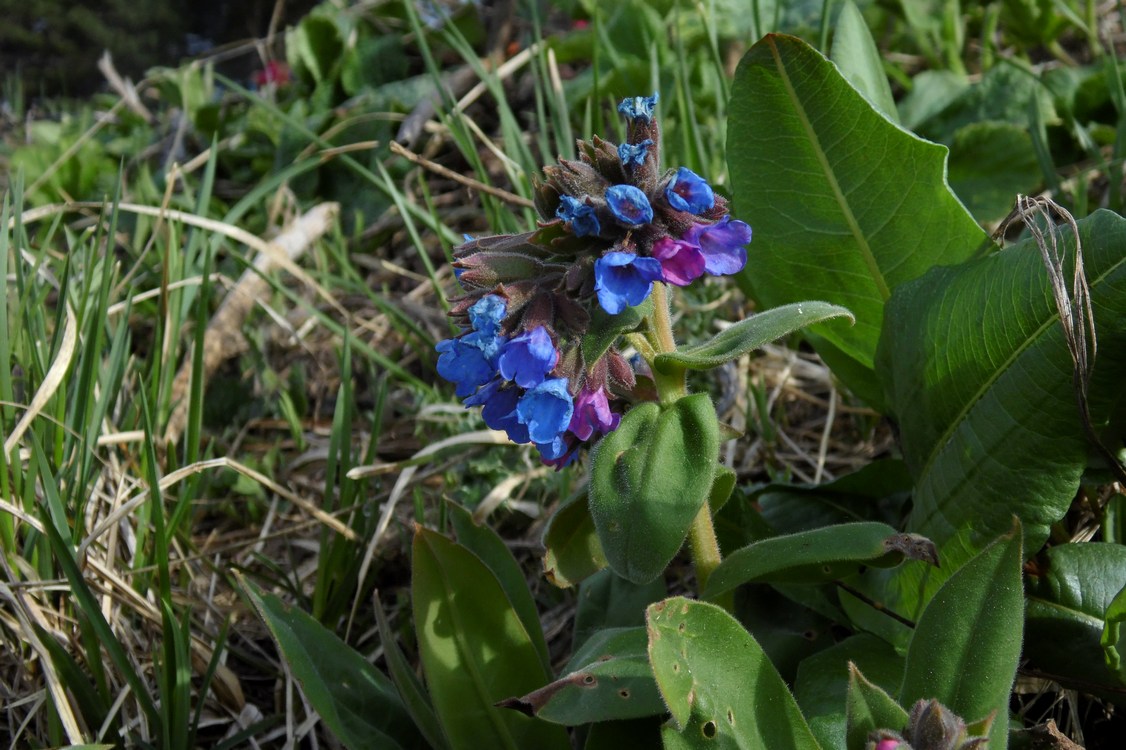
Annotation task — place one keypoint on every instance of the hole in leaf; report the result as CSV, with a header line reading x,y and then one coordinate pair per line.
x,y
810,635
588,679
709,730
624,693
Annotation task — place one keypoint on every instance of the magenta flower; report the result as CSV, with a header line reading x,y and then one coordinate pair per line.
x,y
592,414
681,262
723,245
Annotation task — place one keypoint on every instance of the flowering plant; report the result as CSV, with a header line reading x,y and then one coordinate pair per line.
x,y
542,314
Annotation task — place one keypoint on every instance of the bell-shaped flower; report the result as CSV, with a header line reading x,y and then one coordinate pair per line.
x,y
546,410
579,215
468,361
487,313
623,279
629,205
633,154
639,107
681,262
526,359
688,191
723,244
499,409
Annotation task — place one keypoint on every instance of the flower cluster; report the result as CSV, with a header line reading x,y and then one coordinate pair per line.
x,y
613,225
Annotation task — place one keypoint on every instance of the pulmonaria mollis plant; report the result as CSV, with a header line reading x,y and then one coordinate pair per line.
x,y
613,225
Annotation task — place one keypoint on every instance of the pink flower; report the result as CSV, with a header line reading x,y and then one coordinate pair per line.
x,y
592,414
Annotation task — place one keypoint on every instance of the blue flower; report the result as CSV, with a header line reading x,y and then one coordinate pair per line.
x,y
546,410
527,358
639,107
499,409
487,313
722,243
623,279
469,361
580,216
633,154
688,191
629,205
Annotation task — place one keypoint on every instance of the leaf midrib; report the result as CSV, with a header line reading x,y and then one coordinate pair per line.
x,y
830,176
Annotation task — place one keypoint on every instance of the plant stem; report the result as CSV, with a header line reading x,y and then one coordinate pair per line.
x,y
672,382
705,547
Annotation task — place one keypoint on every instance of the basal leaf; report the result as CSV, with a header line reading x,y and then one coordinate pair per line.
x,y
966,645
825,554
750,334
491,550
607,679
976,369
354,699
1069,593
475,649
721,689
845,205
649,479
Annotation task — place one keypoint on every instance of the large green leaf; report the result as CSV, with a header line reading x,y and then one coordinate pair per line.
x,y
825,554
721,689
607,679
1068,597
649,478
475,649
750,334
354,699
966,646
845,205
975,367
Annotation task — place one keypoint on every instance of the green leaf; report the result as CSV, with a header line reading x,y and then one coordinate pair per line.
x,y
964,348
723,484
823,682
750,334
606,600
853,204
715,679
869,708
649,479
855,53
315,46
475,650
990,163
966,646
605,328
491,550
1112,633
354,699
607,679
825,554
572,550
410,688
1070,593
